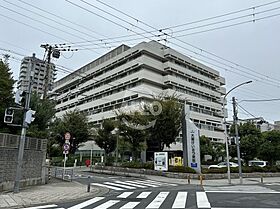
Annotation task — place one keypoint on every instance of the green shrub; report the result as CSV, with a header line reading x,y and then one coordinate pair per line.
x,y
245,169
133,164
181,169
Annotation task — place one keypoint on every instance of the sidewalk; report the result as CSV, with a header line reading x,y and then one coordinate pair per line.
x,y
55,192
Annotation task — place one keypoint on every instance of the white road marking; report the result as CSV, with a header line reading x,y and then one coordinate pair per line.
x,y
130,184
181,199
202,200
162,183
130,205
119,185
143,183
143,195
124,194
86,203
245,192
156,203
107,204
109,187
41,207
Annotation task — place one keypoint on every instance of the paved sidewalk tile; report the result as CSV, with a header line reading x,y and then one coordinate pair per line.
x,y
55,192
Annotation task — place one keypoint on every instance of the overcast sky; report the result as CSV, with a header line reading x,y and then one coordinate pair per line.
x,y
249,39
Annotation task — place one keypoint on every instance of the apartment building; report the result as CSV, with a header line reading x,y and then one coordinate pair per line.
x,y
128,76
39,74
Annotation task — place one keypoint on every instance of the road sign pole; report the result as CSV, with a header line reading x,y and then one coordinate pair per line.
x,y
64,165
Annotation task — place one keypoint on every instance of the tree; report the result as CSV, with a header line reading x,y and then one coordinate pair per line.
x,y
6,89
76,124
206,147
218,151
167,121
249,146
45,111
250,140
130,129
270,149
105,139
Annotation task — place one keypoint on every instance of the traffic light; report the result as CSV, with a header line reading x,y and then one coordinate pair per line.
x,y
29,116
18,96
9,115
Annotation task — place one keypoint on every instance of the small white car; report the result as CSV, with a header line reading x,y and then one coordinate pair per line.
x,y
223,165
259,163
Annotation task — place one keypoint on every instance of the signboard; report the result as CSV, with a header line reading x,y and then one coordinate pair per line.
x,y
161,161
66,147
193,146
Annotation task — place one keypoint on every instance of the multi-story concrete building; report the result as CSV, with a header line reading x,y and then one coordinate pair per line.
x,y
39,74
128,76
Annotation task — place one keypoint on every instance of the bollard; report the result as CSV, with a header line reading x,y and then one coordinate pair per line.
x,y
201,180
262,179
88,186
49,173
189,179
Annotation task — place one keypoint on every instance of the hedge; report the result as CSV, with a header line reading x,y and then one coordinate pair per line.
x,y
245,169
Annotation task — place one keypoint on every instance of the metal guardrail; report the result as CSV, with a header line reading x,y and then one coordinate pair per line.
x,y
66,174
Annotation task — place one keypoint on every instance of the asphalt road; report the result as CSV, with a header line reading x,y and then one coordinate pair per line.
x,y
129,193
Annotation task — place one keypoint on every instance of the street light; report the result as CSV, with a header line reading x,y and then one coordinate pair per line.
x,y
225,128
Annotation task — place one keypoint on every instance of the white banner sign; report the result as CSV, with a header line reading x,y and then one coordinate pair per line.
x,y
161,161
193,146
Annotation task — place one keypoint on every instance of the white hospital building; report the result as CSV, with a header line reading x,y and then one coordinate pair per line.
x,y
127,76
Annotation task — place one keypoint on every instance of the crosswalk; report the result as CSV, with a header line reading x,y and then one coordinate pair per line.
x,y
131,184
144,200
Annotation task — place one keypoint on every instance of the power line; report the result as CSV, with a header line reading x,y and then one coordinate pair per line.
x,y
226,20
202,50
55,21
260,100
62,18
246,110
222,15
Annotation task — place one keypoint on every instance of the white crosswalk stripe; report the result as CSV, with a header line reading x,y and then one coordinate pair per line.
x,y
130,205
119,185
130,184
107,204
143,183
202,200
157,202
125,194
143,195
86,203
181,200
107,186
161,183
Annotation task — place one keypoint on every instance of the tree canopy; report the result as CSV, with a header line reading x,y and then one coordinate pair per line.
x,y
6,89
74,122
105,138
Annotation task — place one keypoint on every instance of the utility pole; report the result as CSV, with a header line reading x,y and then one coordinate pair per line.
x,y
48,49
235,119
23,130
53,51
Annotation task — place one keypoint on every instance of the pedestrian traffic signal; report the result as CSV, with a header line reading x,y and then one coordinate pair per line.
x,y
18,96
29,116
9,115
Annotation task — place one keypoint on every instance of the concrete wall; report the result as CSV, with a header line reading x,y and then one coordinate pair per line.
x,y
34,157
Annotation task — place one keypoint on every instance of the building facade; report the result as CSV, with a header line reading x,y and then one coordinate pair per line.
x,y
128,76
38,74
